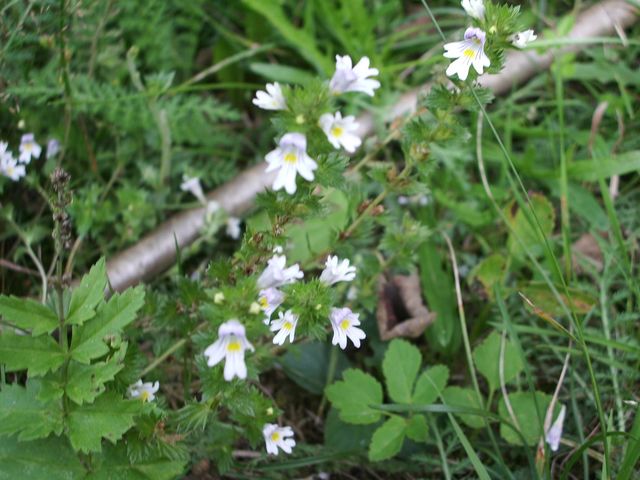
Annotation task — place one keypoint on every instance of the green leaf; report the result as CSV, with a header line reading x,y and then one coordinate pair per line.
x,y
471,453
466,398
344,437
281,73
115,464
86,297
524,409
50,459
387,440
110,416
111,317
306,364
489,271
486,357
86,382
400,367
28,314
431,384
298,38
527,232
21,412
417,428
438,290
354,395
37,354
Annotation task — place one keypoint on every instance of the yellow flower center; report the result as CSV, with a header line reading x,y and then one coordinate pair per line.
x,y
337,131
275,436
264,303
469,53
234,346
287,326
345,324
290,158
10,170
145,396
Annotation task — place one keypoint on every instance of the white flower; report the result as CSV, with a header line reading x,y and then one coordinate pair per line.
x,y
345,325
53,147
192,185
28,148
474,8
468,52
521,39
233,227
144,391
276,274
231,344
9,165
353,79
336,271
554,434
291,158
275,436
269,300
285,325
272,99
340,130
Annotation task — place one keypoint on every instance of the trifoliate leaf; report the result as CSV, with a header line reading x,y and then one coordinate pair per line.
x,y
115,464
524,410
86,382
110,416
50,459
400,367
23,414
387,440
465,398
111,317
354,395
86,297
417,428
430,385
38,355
28,315
486,357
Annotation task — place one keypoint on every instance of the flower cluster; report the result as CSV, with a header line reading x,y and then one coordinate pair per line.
x,y
15,168
290,158
470,52
232,342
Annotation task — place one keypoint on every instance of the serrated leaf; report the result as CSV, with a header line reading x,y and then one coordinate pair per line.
x,y
431,384
465,398
38,355
486,357
89,341
387,440
117,465
110,416
23,414
50,459
354,395
28,314
86,297
524,409
417,428
400,367
86,382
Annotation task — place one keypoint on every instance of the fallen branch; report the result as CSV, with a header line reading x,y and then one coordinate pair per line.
x,y
157,251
